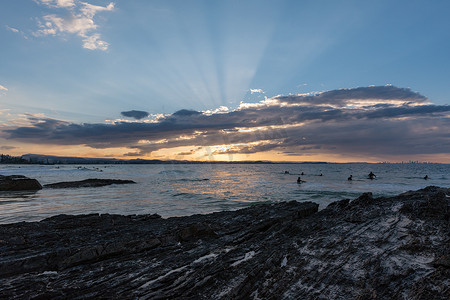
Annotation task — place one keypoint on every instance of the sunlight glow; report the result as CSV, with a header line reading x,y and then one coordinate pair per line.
x,y
271,127
162,141
357,103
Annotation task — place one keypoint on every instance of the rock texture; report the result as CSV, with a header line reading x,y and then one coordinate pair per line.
x,y
92,182
384,248
18,183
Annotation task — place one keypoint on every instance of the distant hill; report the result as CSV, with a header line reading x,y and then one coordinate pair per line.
x,y
8,159
50,159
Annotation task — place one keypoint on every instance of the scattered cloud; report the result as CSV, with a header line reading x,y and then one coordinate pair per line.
x,y
12,29
90,10
57,3
74,17
136,114
93,42
3,90
256,91
380,120
15,30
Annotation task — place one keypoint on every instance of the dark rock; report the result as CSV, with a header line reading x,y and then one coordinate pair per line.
x,y
433,207
338,205
364,199
198,231
383,248
18,183
356,217
93,182
443,261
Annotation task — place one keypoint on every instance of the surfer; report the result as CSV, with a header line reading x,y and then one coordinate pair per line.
x,y
299,180
426,177
350,178
371,175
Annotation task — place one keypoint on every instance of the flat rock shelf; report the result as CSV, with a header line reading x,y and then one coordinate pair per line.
x,y
91,182
383,248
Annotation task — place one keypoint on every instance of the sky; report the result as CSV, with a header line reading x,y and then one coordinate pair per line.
x,y
285,80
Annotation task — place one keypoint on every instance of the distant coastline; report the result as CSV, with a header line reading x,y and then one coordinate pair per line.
x,y
42,159
56,160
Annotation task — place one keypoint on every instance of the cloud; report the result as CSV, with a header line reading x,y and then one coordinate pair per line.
x,y
77,18
90,10
7,147
132,154
361,121
57,3
258,91
3,90
15,30
186,113
379,94
186,153
77,25
93,42
12,29
137,114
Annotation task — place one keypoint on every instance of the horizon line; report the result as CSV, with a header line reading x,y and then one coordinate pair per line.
x,y
170,161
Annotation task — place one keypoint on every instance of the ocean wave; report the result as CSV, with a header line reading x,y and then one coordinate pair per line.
x,y
164,172
193,179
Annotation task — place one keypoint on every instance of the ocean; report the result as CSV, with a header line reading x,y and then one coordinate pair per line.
x,y
179,190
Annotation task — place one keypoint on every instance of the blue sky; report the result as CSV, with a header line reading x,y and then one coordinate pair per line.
x,y
88,61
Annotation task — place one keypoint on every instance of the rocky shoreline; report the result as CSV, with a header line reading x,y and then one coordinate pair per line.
x,y
18,183
383,248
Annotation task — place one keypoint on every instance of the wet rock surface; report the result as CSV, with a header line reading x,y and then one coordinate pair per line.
x,y
92,182
18,183
383,248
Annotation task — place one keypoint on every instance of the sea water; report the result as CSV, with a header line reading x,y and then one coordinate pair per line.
x,y
179,190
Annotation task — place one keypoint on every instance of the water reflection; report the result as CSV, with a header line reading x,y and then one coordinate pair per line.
x,y
175,190
17,194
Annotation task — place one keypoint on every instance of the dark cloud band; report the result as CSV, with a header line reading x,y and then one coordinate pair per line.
x,y
371,120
